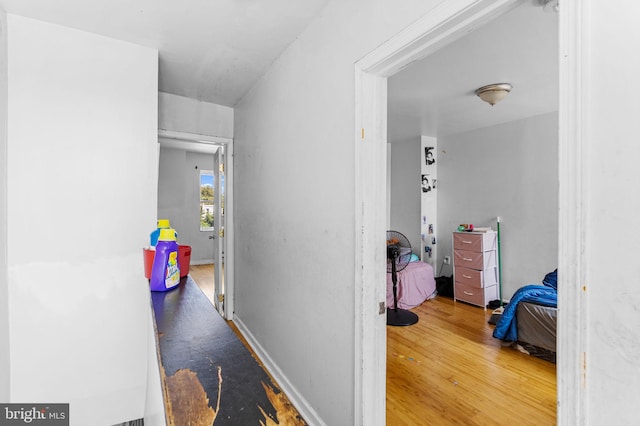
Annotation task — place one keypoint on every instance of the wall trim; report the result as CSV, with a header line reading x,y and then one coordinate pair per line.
x,y
201,262
193,137
573,174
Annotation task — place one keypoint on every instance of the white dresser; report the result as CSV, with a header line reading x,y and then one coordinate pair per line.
x,y
475,267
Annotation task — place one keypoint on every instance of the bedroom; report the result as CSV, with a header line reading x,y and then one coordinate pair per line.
x,y
490,161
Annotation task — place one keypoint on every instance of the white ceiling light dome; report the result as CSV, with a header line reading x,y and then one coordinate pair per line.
x,y
494,93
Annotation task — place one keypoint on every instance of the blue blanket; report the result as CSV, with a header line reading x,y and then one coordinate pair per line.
x,y
551,279
546,295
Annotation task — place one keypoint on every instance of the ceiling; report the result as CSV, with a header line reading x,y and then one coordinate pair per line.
x,y
216,50
210,50
435,96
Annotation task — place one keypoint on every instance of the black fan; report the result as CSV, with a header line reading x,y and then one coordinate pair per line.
x,y
398,257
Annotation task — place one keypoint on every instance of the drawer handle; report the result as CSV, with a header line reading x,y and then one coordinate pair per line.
x,y
467,276
467,293
467,259
466,242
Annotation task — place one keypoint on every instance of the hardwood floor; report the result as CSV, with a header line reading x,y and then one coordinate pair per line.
x,y
204,276
448,369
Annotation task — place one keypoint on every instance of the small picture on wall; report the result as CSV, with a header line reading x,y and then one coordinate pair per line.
x,y
426,185
433,183
429,156
430,228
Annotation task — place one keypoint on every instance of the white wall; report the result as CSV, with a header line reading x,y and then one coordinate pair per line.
x,y
179,198
612,179
509,170
154,411
294,202
180,114
405,192
4,292
82,175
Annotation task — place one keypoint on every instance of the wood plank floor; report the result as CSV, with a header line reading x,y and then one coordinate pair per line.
x,y
204,276
448,369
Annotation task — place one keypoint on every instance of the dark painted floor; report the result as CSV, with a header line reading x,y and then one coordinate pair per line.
x,y
194,337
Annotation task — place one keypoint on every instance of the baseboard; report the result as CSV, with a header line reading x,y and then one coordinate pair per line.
x,y
301,404
201,262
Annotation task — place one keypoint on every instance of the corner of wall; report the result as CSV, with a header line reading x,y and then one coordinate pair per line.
x,y
4,281
154,410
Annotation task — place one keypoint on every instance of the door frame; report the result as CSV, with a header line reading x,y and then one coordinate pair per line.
x,y
218,243
448,21
228,244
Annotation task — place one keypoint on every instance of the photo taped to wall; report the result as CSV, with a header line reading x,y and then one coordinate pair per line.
x,y
426,185
429,156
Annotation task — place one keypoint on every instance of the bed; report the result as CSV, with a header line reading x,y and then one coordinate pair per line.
x,y
530,319
416,284
537,329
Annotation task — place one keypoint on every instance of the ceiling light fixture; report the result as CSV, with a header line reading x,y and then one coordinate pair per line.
x,y
550,6
494,93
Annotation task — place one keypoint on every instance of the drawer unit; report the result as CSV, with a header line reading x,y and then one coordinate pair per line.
x,y
474,295
478,241
475,260
476,278
475,267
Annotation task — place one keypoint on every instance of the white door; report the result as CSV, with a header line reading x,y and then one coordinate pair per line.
x,y
218,234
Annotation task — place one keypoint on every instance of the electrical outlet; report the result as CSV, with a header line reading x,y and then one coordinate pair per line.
x,y
447,260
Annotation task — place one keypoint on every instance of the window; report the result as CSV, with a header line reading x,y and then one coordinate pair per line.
x,y
207,200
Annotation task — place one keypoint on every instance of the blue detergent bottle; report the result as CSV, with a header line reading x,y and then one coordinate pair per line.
x,y
162,224
165,272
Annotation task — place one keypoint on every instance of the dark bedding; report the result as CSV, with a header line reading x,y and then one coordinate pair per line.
x,y
544,295
537,329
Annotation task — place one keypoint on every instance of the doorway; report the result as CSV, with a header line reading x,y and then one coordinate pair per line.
x,y
485,154
447,22
200,178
